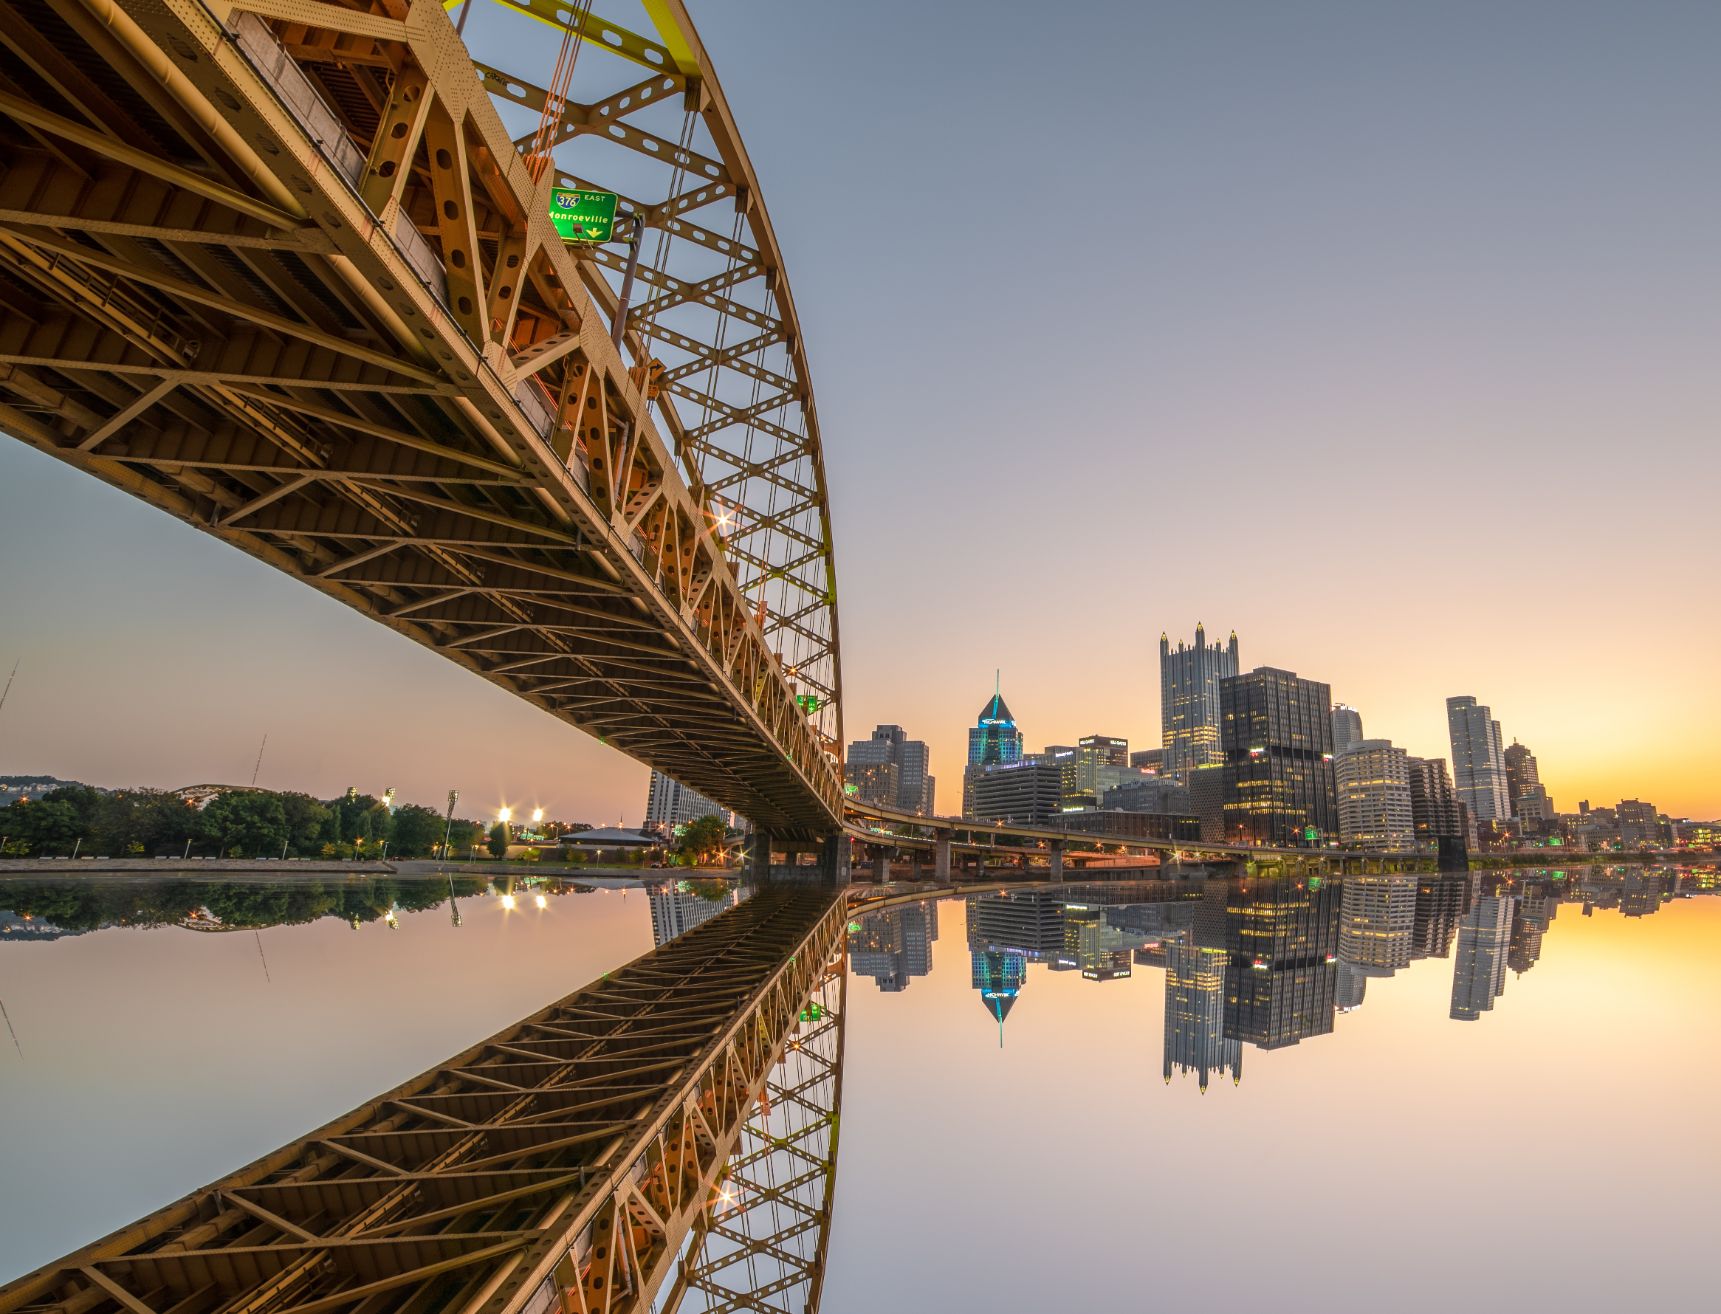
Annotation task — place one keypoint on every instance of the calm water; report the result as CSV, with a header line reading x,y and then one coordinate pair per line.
x,y
1396,1094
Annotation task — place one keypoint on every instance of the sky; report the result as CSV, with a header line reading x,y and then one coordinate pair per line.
x,y
1382,333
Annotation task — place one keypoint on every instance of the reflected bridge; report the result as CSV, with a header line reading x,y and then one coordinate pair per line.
x,y
669,1131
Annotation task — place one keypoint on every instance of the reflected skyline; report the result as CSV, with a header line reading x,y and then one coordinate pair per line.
x,y
1264,962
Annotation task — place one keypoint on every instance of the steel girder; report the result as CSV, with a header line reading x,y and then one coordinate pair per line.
x,y
278,268
560,1165
762,1239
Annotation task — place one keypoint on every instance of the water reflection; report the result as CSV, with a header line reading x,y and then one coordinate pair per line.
x,y
52,910
1265,962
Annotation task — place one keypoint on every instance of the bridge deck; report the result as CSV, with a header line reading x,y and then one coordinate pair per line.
x,y
561,1163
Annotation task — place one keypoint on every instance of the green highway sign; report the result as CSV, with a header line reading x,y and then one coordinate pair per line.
x,y
581,216
808,703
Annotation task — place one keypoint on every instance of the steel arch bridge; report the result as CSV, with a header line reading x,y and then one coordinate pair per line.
x,y
285,269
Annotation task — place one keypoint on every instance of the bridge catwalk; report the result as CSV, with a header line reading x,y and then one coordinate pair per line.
x,y
563,1164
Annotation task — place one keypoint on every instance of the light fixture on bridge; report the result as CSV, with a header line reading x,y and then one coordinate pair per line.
x,y
504,814
537,815
540,900
508,902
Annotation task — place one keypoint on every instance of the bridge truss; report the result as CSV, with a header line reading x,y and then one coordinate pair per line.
x,y
677,1118
285,269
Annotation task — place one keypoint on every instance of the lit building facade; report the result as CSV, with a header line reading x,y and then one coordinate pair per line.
x,y
1189,700
1372,779
890,770
1377,923
1478,761
1640,824
1100,761
1277,736
1282,940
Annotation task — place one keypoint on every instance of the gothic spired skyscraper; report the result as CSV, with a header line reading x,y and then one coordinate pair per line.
x,y
1189,700
1478,764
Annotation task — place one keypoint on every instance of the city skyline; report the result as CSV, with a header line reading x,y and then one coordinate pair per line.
x,y
1399,338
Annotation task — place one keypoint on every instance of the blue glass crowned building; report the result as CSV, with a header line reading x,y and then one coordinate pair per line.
x,y
994,740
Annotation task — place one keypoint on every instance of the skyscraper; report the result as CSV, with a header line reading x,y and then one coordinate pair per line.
x,y
1195,1039
675,911
891,770
1433,804
669,803
1442,899
1094,754
1373,782
1277,735
1283,943
998,976
1479,971
1189,699
1025,793
895,946
1522,776
994,740
1347,726
1377,920
1478,764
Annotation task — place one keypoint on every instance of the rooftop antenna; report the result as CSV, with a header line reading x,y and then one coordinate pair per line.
x,y
258,768
9,679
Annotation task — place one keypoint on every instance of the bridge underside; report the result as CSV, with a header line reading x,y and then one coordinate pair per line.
x,y
279,269
560,1165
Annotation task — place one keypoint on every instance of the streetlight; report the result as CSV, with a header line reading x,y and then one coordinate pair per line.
x,y
537,815
453,798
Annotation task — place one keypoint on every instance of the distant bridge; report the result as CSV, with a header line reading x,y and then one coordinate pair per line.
x,y
887,830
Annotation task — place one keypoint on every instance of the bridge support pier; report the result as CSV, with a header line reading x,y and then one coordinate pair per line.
x,y
830,865
881,868
941,861
1057,862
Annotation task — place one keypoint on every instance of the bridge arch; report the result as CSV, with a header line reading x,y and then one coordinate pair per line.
x,y
287,271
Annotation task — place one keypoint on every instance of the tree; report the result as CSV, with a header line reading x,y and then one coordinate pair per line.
x,y
700,842
417,831
498,842
306,819
250,822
